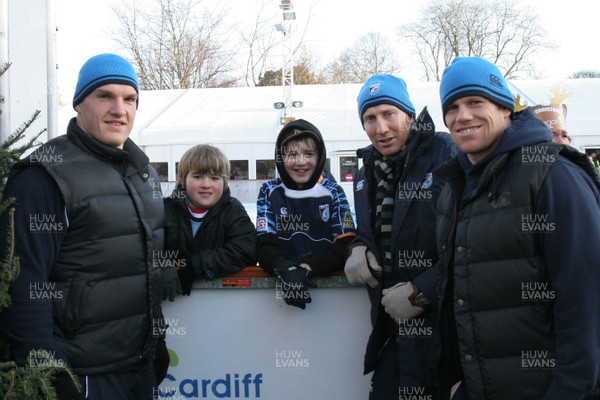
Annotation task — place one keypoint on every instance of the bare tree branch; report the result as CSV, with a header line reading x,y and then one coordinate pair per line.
x,y
501,31
370,54
174,43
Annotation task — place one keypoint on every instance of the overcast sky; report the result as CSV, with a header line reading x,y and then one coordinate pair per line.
x,y
83,26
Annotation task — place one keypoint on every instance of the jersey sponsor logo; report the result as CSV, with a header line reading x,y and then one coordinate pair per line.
x,y
324,211
286,224
348,221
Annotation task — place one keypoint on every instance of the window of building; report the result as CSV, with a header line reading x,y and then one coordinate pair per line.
x,y
162,169
239,169
265,169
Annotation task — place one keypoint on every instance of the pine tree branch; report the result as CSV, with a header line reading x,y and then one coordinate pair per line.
x,y
4,67
19,133
35,380
10,266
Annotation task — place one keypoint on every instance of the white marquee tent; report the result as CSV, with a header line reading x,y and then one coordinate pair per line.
x,y
246,116
244,124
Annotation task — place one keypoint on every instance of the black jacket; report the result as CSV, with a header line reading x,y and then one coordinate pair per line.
x,y
224,244
519,308
413,238
97,257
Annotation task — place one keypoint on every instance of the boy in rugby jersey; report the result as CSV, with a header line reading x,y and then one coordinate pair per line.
x,y
304,223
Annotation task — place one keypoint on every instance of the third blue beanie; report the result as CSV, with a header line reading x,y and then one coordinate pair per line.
x,y
474,76
384,89
103,69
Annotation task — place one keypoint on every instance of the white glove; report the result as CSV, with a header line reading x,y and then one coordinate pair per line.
x,y
396,301
361,265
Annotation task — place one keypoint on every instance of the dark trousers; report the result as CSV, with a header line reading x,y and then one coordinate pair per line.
x,y
385,380
134,384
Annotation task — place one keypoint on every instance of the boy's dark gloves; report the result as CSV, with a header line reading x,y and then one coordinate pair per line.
x,y
294,285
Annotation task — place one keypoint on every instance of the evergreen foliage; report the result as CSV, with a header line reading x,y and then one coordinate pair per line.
x,y
33,381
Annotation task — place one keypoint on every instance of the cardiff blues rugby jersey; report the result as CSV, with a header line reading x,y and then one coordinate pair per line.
x,y
305,221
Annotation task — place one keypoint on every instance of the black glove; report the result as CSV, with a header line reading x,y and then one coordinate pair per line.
x,y
170,284
65,388
294,285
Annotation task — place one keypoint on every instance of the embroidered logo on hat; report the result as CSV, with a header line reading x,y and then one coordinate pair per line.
x,y
494,80
374,88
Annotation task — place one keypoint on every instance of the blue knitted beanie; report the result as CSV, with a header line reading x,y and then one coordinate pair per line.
x,y
384,89
474,76
102,70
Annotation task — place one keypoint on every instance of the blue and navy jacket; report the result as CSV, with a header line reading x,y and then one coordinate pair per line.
x,y
312,224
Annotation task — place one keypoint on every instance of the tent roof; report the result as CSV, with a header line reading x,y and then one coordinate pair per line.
x,y
247,114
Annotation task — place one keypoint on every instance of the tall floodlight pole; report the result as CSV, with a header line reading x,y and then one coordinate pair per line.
x,y
287,68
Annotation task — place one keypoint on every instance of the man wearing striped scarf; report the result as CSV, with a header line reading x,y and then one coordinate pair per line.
x,y
395,193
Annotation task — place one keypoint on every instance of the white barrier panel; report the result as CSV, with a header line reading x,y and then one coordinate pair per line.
x,y
246,343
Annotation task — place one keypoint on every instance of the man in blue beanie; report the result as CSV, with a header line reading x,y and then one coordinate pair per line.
x,y
88,224
395,193
518,236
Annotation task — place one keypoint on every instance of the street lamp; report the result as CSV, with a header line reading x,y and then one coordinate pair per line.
x,y
286,5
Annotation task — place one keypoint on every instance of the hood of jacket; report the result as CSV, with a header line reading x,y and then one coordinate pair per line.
x,y
296,130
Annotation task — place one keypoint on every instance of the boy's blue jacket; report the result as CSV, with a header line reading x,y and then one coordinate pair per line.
x,y
311,224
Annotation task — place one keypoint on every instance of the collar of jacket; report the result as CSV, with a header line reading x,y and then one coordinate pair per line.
x,y
130,152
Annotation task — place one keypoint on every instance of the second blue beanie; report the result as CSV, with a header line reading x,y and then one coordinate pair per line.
x,y
474,76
